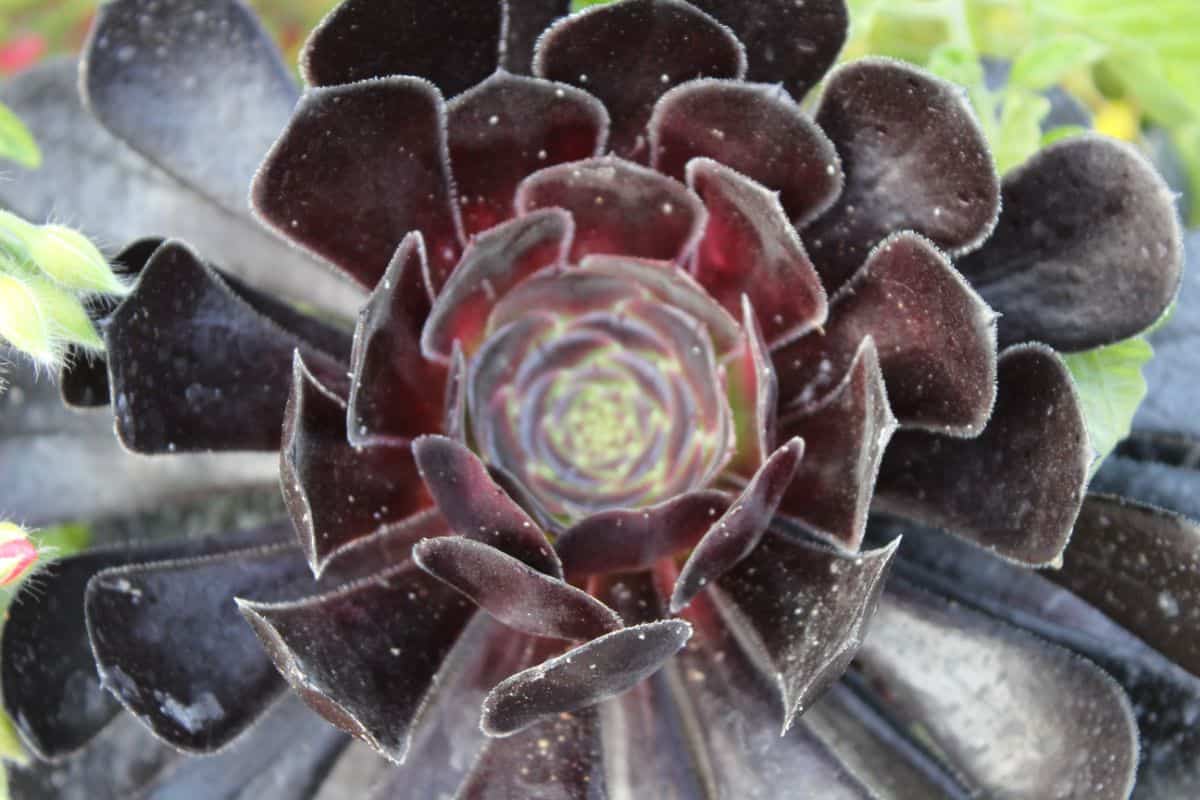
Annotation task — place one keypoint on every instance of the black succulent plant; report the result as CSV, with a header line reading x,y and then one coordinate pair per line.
x,y
579,511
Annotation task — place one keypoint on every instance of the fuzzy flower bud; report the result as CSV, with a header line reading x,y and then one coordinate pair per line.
x,y
18,554
63,254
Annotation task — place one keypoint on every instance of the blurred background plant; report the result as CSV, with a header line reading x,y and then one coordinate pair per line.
x,y
1036,70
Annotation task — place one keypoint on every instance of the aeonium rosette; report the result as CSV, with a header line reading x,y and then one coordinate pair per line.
x,y
644,345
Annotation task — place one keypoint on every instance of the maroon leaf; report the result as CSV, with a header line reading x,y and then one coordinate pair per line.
x,y
787,42
619,208
756,129
514,593
629,53
628,540
453,46
336,492
582,677
199,362
914,158
359,167
477,508
509,127
806,608
495,262
935,337
366,657
1015,489
750,248
733,537
753,397
1088,249
390,399
845,436
1012,714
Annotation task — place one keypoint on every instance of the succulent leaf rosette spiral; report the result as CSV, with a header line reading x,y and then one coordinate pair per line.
x,y
581,507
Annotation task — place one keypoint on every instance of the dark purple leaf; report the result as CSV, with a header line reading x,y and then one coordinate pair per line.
x,y
935,337
476,507
630,53
804,609
627,540
455,416
1012,714
453,46
750,248
197,363
735,535
914,158
509,127
619,207
1088,250
1138,564
390,391
788,42
558,759
208,69
336,492
756,129
844,439
359,167
495,261
753,393
1015,489
582,677
514,593
50,685
366,657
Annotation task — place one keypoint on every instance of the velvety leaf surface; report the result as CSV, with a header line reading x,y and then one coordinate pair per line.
x,y
1016,488
582,677
914,159
844,441
631,540
365,657
1107,267
1138,564
510,126
735,535
630,53
558,759
208,69
477,508
288,754
801,612
787,42
359,167
525,22
513,592
750,248
736,715
453,46
337,492
197,363
1053,725
619,207
50,685
882,756
169,642
495,261
390,390
59,464
755,129
116,196
935,337
83,378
